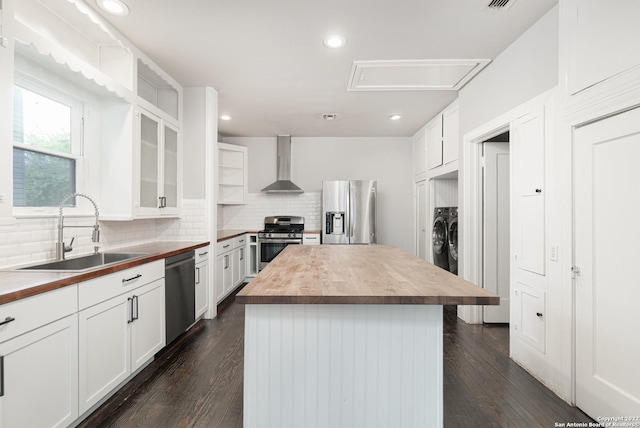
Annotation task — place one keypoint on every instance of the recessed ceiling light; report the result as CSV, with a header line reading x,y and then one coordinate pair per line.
x,y
395,117
225,117
334,41
114,7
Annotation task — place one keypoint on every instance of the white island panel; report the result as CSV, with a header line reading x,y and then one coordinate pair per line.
x,y
321,366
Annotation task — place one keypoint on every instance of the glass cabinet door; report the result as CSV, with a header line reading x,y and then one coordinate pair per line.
x,y
170,167
149,151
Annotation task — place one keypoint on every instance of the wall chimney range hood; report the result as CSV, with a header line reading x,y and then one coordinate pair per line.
x,y
284,183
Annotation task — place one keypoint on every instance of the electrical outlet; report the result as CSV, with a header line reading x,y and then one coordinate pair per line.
x,y
554,253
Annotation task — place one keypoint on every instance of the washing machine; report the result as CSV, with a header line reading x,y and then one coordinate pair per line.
x,y
452,240
439,241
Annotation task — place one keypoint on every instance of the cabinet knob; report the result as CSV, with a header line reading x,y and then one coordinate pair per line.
x,y
538,190
539,314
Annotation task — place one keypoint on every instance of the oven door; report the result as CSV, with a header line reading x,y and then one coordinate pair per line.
x,y
270,248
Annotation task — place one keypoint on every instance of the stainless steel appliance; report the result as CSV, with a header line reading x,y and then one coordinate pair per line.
x,y
279,231
180,293
439,237
452,239
349,212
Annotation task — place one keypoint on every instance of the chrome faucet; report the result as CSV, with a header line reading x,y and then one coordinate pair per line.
x,y
61,248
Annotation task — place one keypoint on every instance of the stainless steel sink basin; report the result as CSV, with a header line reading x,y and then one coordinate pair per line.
x,y
85,262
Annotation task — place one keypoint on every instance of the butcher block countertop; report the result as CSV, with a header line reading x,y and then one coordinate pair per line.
x,y
18,284
358,274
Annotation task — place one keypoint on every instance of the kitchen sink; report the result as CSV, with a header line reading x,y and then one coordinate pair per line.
x,y
85,262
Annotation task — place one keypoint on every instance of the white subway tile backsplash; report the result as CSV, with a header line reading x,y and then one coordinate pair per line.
x,y
30,240
260,205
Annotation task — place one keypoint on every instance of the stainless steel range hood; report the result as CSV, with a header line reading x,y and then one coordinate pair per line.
x,y
284,183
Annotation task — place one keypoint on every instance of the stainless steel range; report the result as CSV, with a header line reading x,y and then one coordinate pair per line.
x,y
279,231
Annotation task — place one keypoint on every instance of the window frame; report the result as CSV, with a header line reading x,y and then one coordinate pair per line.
x,y
78,109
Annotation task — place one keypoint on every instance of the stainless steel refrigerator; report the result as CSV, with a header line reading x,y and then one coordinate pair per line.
x,y
349,212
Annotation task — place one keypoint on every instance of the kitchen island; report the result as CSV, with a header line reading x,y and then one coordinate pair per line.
x,y
348,335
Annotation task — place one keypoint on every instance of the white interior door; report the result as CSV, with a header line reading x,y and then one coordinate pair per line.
x,y
421,221
607,291
496,227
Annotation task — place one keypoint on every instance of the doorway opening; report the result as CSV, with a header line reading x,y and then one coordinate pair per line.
x,y
496,225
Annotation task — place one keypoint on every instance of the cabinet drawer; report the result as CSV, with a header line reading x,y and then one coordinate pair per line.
x,y
239,241
202,254
105,287
224,246
311,239
36,311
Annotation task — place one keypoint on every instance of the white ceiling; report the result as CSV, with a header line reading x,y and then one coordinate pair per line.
x,y
274,76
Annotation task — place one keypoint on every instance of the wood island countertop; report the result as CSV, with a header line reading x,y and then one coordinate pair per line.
x,y
358,274
18,284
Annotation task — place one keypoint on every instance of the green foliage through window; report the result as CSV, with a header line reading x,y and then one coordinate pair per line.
x,y
41,129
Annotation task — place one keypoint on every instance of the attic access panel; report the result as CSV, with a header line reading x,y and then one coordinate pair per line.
x,y
413,75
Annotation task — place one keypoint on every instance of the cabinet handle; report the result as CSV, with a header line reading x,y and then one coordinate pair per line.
x,y
135,298
539,314
226,246
203,254
7,320
131,279
198,275
241,253
130,303
538,190
226,262
1,375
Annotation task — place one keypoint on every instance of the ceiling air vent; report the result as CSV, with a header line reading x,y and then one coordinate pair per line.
x,y
499,4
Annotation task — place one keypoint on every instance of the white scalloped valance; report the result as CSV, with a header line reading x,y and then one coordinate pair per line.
x,y
50,56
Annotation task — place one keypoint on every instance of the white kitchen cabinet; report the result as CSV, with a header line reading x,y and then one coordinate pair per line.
x,y
224,276
232,174
419,152
434,142
231,265
442,137
118,335
311,239
252,255
239,260
39,360
202,281
529,316
450,133
600,42
159,164
529,192
157,89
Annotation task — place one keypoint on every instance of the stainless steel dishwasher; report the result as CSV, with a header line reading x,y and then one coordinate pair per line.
x,y
180,293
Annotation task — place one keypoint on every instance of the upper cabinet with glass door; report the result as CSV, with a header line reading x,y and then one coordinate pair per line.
x,y
158,167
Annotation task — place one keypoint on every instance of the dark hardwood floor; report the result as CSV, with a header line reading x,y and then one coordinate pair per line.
x,y
197,381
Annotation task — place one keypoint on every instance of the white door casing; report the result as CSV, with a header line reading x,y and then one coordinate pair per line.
x,y
496,226
606,233
421,221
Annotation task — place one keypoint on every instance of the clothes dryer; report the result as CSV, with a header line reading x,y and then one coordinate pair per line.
x,y
439,238
452,240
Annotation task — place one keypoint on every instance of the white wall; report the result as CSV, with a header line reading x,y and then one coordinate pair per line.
x,y
193,140
528,67
6,108
314,159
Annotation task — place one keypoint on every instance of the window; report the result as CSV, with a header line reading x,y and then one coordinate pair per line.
x,y
46,145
